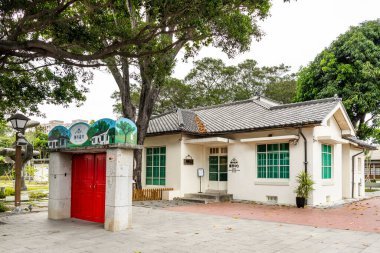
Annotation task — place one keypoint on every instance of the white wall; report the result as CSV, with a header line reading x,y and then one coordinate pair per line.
x,y
173,159
189,179
244,184
327,190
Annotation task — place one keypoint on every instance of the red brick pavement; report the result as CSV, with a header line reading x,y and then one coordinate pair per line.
x,y
360,216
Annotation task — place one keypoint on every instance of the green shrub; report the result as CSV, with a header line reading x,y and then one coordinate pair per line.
x,y
2,195
9,191
305,185
373,180
3,208
37,195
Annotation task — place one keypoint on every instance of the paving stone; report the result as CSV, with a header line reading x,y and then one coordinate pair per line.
x,y
159,230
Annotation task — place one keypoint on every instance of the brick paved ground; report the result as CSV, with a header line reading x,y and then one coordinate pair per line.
x,y
159,230
360,216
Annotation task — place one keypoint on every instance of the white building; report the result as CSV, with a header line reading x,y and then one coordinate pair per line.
x,y
101,139
268,144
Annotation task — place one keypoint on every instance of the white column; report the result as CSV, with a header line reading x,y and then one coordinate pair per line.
x,y
118,189
59,186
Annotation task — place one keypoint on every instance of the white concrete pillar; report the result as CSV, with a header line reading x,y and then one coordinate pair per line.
x,y
59,186
118,213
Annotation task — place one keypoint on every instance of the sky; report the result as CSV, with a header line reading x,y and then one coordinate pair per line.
x,y
294,34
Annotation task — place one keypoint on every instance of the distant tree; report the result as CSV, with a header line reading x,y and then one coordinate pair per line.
x,y
350,68
211,82
283,91
126,129
39,139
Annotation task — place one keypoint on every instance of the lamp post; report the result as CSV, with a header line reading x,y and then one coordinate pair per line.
x,y
18,122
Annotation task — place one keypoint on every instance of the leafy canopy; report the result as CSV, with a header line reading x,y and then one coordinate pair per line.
x,y
350,68
85,31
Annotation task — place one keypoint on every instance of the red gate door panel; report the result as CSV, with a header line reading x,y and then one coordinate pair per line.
x,y
99,187
88,187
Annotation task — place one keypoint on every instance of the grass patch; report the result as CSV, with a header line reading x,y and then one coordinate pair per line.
x,y
3,208
37,195
371,190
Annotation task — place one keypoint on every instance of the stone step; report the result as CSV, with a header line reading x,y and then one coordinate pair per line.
x,y
198,200
208,197
201,196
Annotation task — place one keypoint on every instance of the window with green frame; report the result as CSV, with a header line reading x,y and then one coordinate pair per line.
x,y
273,160
155,165
218,168
326,161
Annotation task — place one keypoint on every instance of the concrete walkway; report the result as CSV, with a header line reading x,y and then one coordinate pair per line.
x,y
159,230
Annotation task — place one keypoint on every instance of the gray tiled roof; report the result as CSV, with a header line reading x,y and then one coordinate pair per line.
x,y
361,143
247,115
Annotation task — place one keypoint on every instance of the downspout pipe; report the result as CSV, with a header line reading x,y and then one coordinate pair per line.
x,y
353,171
305,147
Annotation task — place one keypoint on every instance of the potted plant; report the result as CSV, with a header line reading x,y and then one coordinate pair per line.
x,y
304,188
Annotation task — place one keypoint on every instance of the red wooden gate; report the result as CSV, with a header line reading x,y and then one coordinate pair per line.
x,y
88,187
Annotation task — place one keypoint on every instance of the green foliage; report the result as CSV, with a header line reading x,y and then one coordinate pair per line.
x,y
3,208
9,191
39,139
350,68
37,195
31,171
6,135
211,82
305,185
24,90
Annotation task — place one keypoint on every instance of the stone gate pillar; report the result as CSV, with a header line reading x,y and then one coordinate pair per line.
x,y
118,213
59,186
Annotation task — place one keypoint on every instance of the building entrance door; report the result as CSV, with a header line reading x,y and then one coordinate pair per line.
x,y
88,187
218,173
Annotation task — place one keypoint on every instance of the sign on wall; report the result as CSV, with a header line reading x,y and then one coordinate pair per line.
x,y
102,132
234,165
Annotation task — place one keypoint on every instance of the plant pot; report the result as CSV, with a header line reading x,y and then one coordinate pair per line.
x,y
300,201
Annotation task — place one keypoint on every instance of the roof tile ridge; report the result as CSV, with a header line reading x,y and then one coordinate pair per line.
x,y
310,102
181,124
163,114
262,104
221,105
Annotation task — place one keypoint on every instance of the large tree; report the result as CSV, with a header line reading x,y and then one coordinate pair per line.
x,y
350,68
229,25
147,34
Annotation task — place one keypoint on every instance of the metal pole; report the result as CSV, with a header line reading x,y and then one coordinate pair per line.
x,y
18,177
200,185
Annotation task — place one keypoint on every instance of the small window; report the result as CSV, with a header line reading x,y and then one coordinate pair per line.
x,y
272,199
214,150
156,166
326,161
223,150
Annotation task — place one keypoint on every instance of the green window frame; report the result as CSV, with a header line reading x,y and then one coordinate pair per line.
x,y
155,166
218,168
326,161
273,160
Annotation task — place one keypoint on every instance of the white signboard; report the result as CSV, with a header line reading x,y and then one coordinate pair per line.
x,y
201,172
78,133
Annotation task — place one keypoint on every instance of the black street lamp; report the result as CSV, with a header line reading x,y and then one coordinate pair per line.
x,y
18,122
